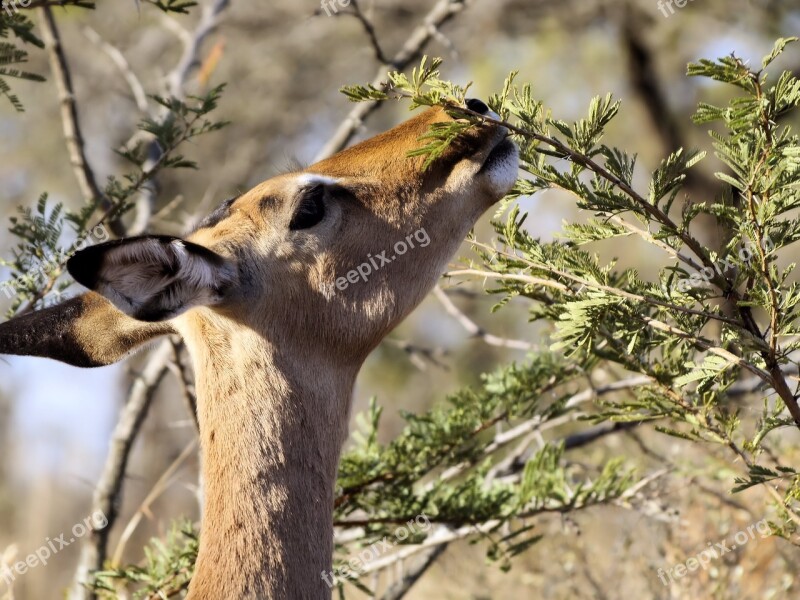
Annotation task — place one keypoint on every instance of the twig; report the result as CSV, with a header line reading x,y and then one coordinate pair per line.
x,y
476,330
651,239
175,83
183,374
402,587
535,424
158,489
118,58
370,30
508,467
442,12
69,119
584,283
108,492
418,355
189,59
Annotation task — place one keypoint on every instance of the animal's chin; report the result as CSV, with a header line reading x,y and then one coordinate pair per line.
x,y
501,167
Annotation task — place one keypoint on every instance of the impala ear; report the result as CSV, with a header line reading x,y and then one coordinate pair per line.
x,y
153,278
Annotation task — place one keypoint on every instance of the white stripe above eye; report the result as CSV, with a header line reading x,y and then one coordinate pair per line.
x,y
306,179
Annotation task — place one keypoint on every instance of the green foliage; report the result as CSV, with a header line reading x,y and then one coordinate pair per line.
x,y
38,257
38,261
176,6
424,88
181,122
21,27
167,568
15,21
718,322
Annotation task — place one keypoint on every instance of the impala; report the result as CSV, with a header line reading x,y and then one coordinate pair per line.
x,y
275,356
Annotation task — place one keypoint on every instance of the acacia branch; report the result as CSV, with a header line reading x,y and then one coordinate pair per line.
x,y
182,373
369,28
108,492
402,587
447,534
653,211
124,67
476,330
70,121
441,13
589,284
175,83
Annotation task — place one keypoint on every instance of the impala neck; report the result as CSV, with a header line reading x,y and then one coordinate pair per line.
x,y
271,433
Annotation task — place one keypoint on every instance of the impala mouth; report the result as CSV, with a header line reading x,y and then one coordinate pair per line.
x,y
501,153
501,166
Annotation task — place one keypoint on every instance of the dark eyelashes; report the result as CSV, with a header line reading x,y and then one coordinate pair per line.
x,y
311,210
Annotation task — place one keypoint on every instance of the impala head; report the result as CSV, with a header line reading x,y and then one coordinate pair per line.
x,y
336,254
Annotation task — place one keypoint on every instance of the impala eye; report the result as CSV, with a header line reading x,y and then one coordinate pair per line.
x,y
311,210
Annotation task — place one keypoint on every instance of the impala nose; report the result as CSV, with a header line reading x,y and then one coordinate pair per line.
x,y
477,105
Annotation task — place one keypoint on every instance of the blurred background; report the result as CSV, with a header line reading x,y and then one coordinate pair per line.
x,y
284,63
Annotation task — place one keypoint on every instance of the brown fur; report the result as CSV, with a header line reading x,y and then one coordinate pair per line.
x,y
277,359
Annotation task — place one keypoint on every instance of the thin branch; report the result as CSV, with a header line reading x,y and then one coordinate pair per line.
x,y
476,330
124,67
419,355
108,492
535,424
709,347
175,83
588,284
189,59
369,28
158,489
442,12
69,119
183,374
651,239
402,587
